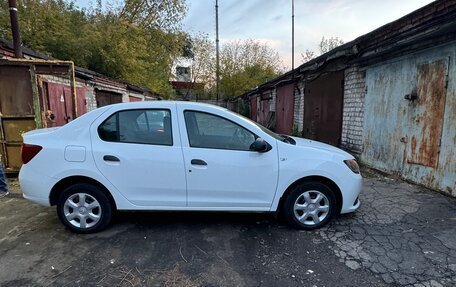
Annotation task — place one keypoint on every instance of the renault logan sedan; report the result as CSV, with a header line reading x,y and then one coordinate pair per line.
x,y
182,156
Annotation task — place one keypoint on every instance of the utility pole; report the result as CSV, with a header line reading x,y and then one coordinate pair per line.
x,y
292,34
217,65
15,29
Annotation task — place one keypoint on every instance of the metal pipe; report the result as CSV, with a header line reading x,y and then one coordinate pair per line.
x,y
15,28
217,72
74,96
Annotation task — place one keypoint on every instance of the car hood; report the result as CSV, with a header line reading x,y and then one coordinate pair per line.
x,y
301,142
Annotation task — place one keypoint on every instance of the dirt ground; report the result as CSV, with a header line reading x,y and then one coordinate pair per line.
x,y
402,235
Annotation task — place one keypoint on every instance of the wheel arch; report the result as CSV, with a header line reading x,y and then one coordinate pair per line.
x,y
326,181
69,181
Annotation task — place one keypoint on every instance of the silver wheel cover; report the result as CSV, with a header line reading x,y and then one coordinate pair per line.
x,y
82,210
311,207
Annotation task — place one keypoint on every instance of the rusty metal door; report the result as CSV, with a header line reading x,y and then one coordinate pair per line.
x,y
134,99
404,119
284,109
59,104
253,108
105,98
323,102
82,99
264,109
17,114
426,114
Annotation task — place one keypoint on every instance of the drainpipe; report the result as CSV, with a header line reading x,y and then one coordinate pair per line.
x,y
15,28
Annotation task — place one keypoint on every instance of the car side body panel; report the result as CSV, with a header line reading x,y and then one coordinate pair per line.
x,y
317,162
69,151
231,178
146,174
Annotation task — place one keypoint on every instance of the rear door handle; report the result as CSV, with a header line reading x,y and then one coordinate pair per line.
x,y
111,158
198,162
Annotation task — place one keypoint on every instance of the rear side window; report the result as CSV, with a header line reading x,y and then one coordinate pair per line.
x,y
146,126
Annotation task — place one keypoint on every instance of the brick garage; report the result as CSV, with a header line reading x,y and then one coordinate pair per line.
x,y
353,109
398,86
38,91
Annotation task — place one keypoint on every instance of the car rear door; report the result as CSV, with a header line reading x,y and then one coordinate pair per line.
x,y
139,152
222,173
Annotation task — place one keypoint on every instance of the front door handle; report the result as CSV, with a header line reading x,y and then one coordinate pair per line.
x,y
198,162
111,158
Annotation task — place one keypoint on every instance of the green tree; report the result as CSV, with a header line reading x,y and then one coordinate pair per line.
x,y
136,41
246,64
326,45
201,53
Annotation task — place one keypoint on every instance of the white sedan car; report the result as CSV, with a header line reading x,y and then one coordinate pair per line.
x,y
182,156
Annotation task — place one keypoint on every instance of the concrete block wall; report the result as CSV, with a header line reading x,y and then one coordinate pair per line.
x,y
91,101
353,109
298,118
61,80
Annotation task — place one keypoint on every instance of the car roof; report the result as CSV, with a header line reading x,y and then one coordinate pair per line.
x,y
164,103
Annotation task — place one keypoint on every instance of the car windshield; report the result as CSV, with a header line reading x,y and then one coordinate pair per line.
x,y
283,138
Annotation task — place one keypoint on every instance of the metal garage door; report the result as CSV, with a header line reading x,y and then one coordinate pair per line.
x,y
323,100
284,109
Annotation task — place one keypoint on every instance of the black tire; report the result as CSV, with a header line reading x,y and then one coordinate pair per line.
x,y
104,210
312,188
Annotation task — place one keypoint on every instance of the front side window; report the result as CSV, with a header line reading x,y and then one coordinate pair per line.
x,y
149,126
210,131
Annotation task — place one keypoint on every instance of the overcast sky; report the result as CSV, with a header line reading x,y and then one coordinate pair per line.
x,y
270,20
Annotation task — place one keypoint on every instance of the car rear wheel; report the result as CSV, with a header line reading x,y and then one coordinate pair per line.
x,y
309,205
84,208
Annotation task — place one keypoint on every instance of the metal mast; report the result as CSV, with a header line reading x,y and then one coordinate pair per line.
x,y
217,65
292,34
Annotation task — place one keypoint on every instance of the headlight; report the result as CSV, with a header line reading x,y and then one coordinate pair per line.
x,y
352,164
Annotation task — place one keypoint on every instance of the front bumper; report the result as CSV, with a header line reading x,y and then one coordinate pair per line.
x,y
350,194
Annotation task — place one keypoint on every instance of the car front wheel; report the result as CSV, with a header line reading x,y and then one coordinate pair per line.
x,y
309,205
84,208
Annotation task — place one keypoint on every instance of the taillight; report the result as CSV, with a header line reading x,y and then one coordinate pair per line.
x,y
29,151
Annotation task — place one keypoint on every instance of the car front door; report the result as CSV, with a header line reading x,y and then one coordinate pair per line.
x,y
139,152
222,172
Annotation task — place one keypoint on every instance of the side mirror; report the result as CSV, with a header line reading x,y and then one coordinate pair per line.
x,y
260,145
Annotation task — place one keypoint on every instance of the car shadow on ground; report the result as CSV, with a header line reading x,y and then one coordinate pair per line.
x,y
154,218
